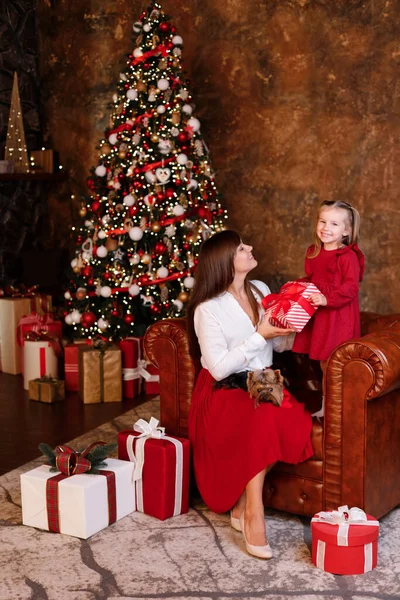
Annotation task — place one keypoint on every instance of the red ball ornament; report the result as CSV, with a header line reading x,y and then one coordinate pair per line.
x,y
90,183
185,246
147,65
160,248
160,196
87,271
164,26
129,319
185,148
106,276
155,308
202,212
88,319
137,171
90,281
178,182
114,312
79,239
195,168
137,185
94,251
170,45
140,252
169,193
95,206
173,29
182,137
145,146
126,86
132,211
144,279
121,176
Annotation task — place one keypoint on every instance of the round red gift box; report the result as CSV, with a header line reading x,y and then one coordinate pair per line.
x,y
359,556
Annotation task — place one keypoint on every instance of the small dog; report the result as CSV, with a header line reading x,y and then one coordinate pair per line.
x,y
263,385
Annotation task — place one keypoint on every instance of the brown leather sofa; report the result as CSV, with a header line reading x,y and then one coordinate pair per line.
x,y
357,444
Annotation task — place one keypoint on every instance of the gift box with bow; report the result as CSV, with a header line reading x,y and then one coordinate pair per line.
x,y
133,366
291,308
75,498
345,541
100,376
161,468
12,309
46,389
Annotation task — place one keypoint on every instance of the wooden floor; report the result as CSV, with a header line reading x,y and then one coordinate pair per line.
x,y
24,423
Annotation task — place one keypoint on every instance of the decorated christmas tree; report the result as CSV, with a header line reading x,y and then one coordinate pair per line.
x,y
153,196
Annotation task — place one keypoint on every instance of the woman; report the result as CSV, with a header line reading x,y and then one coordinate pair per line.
x,y
235,444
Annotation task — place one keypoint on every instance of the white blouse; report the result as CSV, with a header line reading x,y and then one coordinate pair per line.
x,y
228,340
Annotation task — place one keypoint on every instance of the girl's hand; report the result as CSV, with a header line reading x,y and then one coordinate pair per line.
x,y
318,300
269,331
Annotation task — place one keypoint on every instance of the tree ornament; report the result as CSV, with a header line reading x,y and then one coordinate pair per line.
x,y
188,282
162,272
183,297
181,159
131,94
111,244
95,206
146,259
163,84
102,324
121,155
134,290
67,295
165,27
87,271
105,291
169,193
129,200
68,319
155,138
194,124
83,211
160,248
178,210
101,234
76,316
81,293
136,234
102,252
88,319
155,226
135,259
76,269
114,312
100,171
141,86
178,304
129,319
105,149
177,40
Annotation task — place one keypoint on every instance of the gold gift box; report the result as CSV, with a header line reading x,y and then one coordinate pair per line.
x,y
100,374
46,390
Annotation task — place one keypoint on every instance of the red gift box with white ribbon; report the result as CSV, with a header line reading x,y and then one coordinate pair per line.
x,y
345,541
291,308
161,472
152,380
133,366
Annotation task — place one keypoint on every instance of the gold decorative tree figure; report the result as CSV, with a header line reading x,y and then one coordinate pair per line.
x,y
15,144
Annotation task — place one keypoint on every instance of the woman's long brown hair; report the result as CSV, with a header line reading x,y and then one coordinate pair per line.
x,y
353,222
214,274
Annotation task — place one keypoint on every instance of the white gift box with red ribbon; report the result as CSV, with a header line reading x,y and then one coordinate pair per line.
x,y
345,541
39,360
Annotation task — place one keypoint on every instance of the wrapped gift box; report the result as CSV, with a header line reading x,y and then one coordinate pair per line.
x,y
152,381
11,311
161,469
71,365
100,374
344,546
39,359
291,308
83,500
132,366
47,390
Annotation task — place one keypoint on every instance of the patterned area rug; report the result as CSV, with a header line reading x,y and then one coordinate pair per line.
x,y
194,556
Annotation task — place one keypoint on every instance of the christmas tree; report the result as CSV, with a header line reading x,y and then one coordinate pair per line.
x,y
15,144
153,197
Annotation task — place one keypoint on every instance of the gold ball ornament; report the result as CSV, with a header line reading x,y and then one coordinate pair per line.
x,y
155,226
176,118
175,63
122,154
155,138
141,86
106,149
183,297
80,293
111,244
76,269
146,259
83,211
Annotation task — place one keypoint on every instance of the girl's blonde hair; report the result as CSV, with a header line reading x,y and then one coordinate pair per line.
x,y
353,222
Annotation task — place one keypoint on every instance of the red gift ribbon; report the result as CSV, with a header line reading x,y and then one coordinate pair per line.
x,y
159,49
70,462
44,336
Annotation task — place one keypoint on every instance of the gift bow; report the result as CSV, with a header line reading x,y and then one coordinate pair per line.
x,y
344,517
139,371
70,462
147,430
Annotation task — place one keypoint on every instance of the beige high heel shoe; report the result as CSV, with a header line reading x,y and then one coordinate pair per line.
x,y
235,522
258,551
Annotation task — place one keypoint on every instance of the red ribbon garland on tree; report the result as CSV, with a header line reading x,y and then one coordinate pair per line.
x,y
159,49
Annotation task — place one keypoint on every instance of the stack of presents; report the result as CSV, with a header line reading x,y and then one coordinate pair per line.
x,y
80,492
31,343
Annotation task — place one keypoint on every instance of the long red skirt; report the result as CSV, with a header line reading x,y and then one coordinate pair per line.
x,y
232,440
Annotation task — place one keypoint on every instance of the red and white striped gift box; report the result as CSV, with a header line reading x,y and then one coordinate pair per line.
x,y
291,307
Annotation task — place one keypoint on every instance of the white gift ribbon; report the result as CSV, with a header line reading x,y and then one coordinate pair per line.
x,y
139,371
152,430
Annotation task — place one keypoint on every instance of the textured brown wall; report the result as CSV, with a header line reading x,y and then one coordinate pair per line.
x,y
299,101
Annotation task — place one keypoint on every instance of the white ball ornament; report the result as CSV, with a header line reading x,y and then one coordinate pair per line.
x,y
67,295
89,224
106,219
115,97
101,234
102,323
161,109
74,263
101,252
163,84
194,124
113,139
178,304
146,258
187,109
162,272
137,27
176,51
137,52
100,171
105,291
76,316
150,177
177,40
135,259
129,200
135,234
131,94
68,319
188,282
86,256
193,184
134,290
146,28
182,159
178,210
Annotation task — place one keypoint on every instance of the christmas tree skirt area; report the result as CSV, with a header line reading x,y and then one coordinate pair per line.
x,y
196,555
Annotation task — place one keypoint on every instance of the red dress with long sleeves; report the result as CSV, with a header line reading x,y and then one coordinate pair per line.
x,y
337,274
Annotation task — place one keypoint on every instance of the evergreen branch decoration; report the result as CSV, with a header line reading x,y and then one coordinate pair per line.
x,y
96,456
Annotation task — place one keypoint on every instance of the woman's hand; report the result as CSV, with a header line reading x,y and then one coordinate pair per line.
x,y
318,300
269,331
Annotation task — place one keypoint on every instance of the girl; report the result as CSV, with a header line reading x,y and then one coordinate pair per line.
x,y
335,264
234,444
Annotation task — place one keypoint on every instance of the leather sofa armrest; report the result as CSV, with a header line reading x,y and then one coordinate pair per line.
x,y
166,346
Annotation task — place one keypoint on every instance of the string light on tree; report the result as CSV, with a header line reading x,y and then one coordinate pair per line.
x,y
153,197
